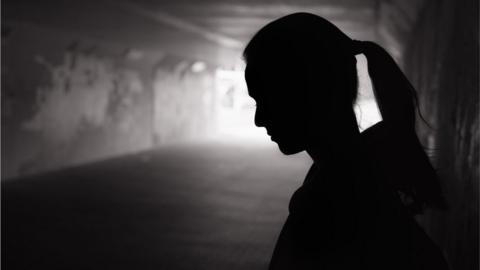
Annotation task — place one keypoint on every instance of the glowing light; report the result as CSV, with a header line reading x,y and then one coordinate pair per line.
x,y
198,66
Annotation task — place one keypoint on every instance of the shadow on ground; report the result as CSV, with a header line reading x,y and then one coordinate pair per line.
x,y
194,206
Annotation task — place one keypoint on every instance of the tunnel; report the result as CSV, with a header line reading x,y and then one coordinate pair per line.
x,y
128,135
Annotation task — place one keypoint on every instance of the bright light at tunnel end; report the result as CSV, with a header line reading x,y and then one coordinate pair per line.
x,y
236,109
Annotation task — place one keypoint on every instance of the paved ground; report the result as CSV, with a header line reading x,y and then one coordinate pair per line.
x,y
196,206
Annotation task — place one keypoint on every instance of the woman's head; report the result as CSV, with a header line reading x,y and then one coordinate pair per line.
x,y
302,74
301,71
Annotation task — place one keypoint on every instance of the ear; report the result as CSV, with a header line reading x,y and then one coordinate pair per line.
x,y
317,96
329,97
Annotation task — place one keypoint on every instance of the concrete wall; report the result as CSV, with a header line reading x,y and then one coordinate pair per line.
x,y
442,61
68,100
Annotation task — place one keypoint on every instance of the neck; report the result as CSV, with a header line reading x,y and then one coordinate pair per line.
x,y
324,157
334,155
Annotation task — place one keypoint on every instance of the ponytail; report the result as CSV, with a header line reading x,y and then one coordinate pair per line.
x,y
410,170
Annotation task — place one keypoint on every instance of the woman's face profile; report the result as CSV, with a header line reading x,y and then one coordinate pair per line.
x,y
280,106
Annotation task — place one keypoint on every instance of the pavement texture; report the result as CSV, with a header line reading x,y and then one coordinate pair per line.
x,y
193,206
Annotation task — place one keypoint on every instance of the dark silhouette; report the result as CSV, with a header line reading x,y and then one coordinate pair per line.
x,y
356,207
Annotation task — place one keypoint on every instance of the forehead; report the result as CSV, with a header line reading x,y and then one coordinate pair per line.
x,y
252,79
257,75
250,71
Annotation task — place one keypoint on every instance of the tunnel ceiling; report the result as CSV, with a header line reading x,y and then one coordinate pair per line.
x,y
211,30
240,19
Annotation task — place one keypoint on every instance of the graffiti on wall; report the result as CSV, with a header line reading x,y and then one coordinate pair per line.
x,y
90,108
68,101
84,91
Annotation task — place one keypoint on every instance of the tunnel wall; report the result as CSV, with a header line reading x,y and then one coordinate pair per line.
x,y
184,100
68,100
442,62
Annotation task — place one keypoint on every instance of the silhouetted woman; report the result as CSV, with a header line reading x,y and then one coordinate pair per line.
x,y
355,208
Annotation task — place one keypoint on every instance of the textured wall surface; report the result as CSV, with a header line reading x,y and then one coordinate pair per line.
x,y
442,62
68,100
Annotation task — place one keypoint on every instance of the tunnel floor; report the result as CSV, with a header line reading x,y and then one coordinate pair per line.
x,y
193,206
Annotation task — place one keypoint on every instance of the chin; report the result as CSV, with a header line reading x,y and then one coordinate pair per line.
x,y
290,149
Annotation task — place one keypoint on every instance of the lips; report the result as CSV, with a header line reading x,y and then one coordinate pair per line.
x,y
269,133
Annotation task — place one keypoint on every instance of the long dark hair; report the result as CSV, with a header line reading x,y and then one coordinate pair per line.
x,y
317,46
397,100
